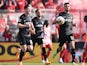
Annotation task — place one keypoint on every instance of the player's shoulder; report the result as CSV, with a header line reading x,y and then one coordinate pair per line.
x,y
22,16
35,18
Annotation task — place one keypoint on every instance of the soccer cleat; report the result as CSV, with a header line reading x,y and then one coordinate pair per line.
x,y
20,63
73,63
61,60
47,63
82,63
43,61
54,55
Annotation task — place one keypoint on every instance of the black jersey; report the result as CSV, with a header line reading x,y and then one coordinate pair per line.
x,y
38,24
24,20
66,28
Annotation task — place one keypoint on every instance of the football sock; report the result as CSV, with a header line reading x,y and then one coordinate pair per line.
x,y
73,55
21,56
44,53
49,51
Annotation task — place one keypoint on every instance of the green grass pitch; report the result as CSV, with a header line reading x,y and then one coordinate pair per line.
x,y
15,63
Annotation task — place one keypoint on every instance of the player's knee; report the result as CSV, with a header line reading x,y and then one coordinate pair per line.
x,y
30,47
43,50
50,49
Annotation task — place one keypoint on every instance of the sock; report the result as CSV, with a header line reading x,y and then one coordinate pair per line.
x,y
21,56
73,55
44,53
48,53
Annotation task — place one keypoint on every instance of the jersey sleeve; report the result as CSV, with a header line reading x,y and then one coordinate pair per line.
x,y
33,20
20,19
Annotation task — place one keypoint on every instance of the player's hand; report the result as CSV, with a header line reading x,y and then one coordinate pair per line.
x,y
27,25
32,31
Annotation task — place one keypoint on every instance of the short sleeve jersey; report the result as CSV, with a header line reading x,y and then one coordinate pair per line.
x,y
66,28
24,20
38,24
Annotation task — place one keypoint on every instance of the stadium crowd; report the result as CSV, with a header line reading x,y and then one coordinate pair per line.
x,y
14,5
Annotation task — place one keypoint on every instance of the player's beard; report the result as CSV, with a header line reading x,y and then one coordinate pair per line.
x,y
66,10
38,16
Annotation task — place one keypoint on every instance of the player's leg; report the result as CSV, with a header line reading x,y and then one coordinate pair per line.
x,y
22,52
61,56
40,42
49,46
57,51
22,41
72,45
62,40
84,56
30,46
42,56
34,40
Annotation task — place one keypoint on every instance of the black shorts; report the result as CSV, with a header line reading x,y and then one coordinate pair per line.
x,y
65,38
25,40
35,40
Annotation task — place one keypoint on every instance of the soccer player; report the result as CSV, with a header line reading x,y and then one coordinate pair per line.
x,y
84,57
25,27
65,33
47,41
38,23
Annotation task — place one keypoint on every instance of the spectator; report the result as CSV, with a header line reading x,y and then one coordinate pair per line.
x,y
10,7
13,2
50,4
37,4
7,35
21,4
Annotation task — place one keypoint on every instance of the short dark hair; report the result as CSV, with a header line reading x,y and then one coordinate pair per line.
x,y
26,6
66,3
85,18
46,23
